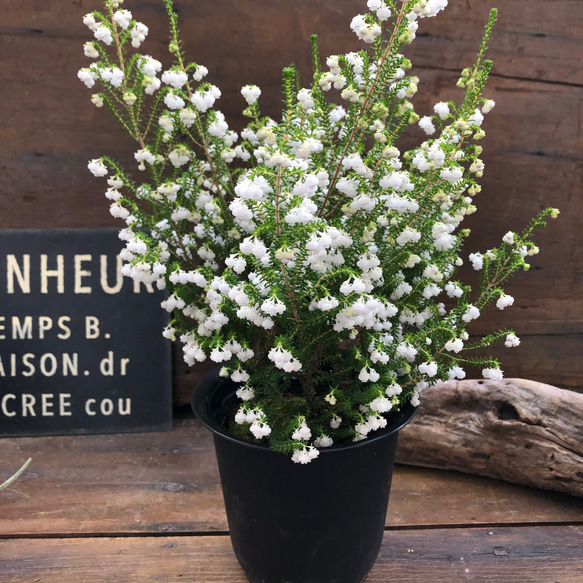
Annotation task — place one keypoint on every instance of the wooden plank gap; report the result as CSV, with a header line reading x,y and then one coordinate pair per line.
x,y
501,76
97,535
478,525
24,31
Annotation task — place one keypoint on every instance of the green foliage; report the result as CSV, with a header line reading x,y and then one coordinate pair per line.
x,y
309,255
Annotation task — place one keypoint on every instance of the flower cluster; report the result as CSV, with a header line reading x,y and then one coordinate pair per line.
x,y
309,256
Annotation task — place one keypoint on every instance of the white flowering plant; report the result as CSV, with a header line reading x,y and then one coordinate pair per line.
x,y
309,255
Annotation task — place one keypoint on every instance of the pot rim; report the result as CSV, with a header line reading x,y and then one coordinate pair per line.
x,y
200,406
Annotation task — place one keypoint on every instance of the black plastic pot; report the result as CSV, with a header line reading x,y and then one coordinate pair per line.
x,y
322,522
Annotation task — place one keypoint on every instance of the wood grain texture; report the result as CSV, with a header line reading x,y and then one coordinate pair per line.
x,y
502,555
161,482
168,483
49,129
515,430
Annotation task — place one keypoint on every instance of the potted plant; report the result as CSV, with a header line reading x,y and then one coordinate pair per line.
x,y
313,261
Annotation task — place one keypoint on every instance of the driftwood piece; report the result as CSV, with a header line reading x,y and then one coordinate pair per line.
x,y
516,430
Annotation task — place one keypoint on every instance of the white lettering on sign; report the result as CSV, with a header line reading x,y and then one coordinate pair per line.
x,y
47,364
107,365
91,327
22,275
20,331
116,288
4,405
59,405
55,274
45,273
64,405
65,332
75,340
138,286
80,273
107,406
64,364
41,327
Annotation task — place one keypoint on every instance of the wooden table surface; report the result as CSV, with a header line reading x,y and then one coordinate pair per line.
x,y
148,508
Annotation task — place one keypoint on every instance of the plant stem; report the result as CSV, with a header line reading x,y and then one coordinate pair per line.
x,y
16,475
369,94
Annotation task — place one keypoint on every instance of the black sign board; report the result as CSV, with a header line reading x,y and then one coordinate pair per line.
x,y
81,346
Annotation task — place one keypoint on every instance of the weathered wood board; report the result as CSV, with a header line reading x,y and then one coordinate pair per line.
x,y
141,508
515,430
497,554
532,149
168,483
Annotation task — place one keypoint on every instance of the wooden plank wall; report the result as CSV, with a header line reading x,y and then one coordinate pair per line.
x,y
49,129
